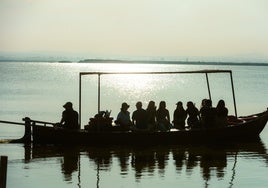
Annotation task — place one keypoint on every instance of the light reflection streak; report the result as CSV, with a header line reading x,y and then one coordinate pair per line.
x,y
132,84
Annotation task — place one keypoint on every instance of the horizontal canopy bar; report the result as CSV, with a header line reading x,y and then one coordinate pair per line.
x,y
24,119
175,72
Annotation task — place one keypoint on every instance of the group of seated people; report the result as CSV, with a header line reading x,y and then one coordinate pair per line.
x,y
154,119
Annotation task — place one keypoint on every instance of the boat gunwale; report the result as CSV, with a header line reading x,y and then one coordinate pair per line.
x,y
245,122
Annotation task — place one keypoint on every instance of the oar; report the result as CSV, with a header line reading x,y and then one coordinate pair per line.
x,y
37,121
11,122
27,134
14,123
26,119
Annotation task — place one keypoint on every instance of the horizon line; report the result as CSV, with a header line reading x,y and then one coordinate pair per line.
x,y
124,61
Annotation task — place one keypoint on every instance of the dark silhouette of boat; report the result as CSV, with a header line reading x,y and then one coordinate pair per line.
x,y
240,128
248,129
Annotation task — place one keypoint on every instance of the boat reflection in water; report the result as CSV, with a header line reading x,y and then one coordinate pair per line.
x,y
70,162
208,161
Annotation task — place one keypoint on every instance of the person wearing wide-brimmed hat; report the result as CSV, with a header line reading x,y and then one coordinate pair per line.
x,y
123,117
69,118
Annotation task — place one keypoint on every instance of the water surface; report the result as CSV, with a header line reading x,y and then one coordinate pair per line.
x,y
38,90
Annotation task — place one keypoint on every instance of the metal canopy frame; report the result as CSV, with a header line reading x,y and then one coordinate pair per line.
x,y
206,72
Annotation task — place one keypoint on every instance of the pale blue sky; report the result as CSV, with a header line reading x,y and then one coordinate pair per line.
x,y
137,28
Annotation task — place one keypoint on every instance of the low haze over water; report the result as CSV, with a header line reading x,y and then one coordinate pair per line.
x,y
38,90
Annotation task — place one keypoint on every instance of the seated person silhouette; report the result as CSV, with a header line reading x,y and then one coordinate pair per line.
x,y
139,117
193,115
179,116
222,113
123,117
208,115
69,118
162,117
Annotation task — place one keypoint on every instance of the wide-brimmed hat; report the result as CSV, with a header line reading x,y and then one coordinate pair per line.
x,y
68,105
124,105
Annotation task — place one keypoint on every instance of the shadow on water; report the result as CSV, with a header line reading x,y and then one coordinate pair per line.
x,y
212,160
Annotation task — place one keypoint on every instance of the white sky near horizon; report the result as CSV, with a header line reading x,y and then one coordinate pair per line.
x,y
168,28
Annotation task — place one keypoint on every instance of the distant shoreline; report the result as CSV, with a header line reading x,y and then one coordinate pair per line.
x,y
171,62
143,62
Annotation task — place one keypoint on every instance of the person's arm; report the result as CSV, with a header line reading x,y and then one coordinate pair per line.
x,y
174,117
133,118
118,118
62,118
198,114
168,116
157,116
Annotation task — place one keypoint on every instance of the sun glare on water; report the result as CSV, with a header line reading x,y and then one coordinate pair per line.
x,y
134,85
118,88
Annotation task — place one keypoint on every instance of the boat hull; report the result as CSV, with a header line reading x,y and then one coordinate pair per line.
x,y
247,130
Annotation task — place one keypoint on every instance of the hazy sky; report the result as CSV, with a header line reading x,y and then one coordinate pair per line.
x,y
168,28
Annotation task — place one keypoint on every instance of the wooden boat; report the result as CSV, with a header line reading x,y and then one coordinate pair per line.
x,y
241,128
247,128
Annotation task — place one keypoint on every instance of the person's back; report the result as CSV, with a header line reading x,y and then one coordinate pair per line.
x,y
123,117
140,117
222,113
69,117
151,116
162,117
151,112
203,114
179,116
193,115
208,115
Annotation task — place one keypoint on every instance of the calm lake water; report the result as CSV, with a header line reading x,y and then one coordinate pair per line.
x,y
38,90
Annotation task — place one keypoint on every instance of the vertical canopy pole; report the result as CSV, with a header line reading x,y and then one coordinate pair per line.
x,y
98,93
79,115
231,76
208,86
